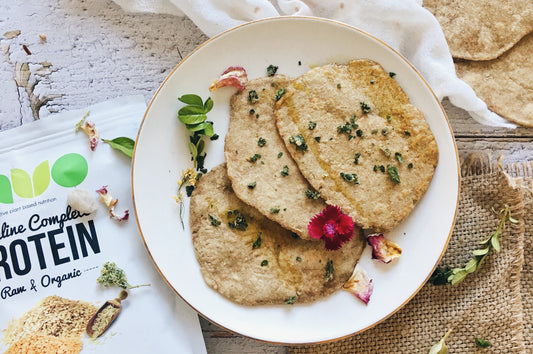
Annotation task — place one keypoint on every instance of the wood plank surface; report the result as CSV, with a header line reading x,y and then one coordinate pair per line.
x,y
94,51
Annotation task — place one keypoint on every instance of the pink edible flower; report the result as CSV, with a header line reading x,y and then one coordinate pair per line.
x,y
382,249
331,225
233,76
110,203
360,284
89,128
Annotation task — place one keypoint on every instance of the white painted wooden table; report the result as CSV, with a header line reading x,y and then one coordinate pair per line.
x,y
93,51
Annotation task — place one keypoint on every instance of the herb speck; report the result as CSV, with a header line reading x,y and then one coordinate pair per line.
x,y
299,142
274,210
271,70
393,172
311,194
253,97
254,158
279,94
350,177
365,107
236,220
398,157
257,242
214,220
356,158
329,270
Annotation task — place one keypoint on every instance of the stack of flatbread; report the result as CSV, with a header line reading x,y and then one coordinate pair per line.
x,y
339,135
492,45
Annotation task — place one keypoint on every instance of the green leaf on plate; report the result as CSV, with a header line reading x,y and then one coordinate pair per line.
x,y
208,105
194,100
194,116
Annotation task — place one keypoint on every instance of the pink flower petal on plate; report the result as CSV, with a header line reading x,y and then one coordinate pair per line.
x,y
331,225
360,284
233,76
382,249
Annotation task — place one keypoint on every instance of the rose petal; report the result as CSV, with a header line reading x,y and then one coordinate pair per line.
x,y
233,76
89,128
382,249
360,284
110,202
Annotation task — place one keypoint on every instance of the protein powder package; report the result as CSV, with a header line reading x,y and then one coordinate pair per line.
x,y
70,246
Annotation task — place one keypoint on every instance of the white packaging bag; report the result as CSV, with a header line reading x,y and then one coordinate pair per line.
x,y
47,248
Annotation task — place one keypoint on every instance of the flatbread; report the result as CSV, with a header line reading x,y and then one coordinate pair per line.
x,y
281,269
353,165
481,29
272,184
506,83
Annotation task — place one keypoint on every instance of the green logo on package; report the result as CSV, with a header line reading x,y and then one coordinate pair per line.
x,y
68,171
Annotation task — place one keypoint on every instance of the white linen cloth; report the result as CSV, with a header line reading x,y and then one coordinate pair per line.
x,y
403,24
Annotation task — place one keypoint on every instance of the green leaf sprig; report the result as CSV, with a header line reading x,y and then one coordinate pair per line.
x,y
194,116
454,276
122,144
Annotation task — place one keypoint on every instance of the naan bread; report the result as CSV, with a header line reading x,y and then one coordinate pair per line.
x,y
506,83
272,183
375,165
481,29
280,268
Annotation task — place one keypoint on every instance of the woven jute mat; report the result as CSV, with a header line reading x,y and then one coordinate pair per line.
x,y
523,177
485,305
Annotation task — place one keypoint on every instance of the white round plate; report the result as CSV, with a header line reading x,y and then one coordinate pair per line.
x,y
295,44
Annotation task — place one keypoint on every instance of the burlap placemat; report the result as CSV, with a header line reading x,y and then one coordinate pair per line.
x,y
485,305
523,177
